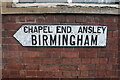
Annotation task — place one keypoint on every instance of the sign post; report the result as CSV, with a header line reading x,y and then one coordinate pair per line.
x,y
62,35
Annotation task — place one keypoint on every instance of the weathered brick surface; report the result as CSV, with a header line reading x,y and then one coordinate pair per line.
x,y
60,62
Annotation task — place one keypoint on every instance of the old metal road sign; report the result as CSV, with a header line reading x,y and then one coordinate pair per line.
x,y
62,35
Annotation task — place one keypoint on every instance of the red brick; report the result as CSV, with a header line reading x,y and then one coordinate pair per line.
x,y
84,73
40,19
28,60
22,48
104,67
30,54
48,61
67,74
92,74
8,33
5,73
70,18
21,18
102,74
89,19
14,67
43,74
112,60
112,27
31,67
88,50
11,54
112,42
31,73
115,34
75,73
105,54
88,54
86,67
1,26
0,33
114,47
66,49
103,60
99,60
11,26
82,67
115,54
68,68
118,60
80,18
70,54
60,18
9,40
9,19
11,47
14,74
23,73
54,54
115,67
43,55
30,19
14,60
95,61
109,19
52,68
112,74
71,61
97,19
86,60
110,34
45,49
50,19
70,74
0,41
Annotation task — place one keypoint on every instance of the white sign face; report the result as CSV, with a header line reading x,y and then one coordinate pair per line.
x,y
62,35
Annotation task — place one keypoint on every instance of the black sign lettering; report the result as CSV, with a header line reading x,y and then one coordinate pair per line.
x,y
69,29
45,38
35,29
58,29
39,39
34,39
94,40
80,30
25,29
79,39
59,38
72,42
65,39
53,40
86,40
30,29
103,29
39,29
90,29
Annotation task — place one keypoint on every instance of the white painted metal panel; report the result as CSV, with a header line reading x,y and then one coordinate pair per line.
x,y
62,35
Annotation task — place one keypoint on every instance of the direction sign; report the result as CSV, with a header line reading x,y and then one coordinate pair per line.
x,y
62,35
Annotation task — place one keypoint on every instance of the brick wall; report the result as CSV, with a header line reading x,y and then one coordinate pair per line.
x,y
60,62
0,46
